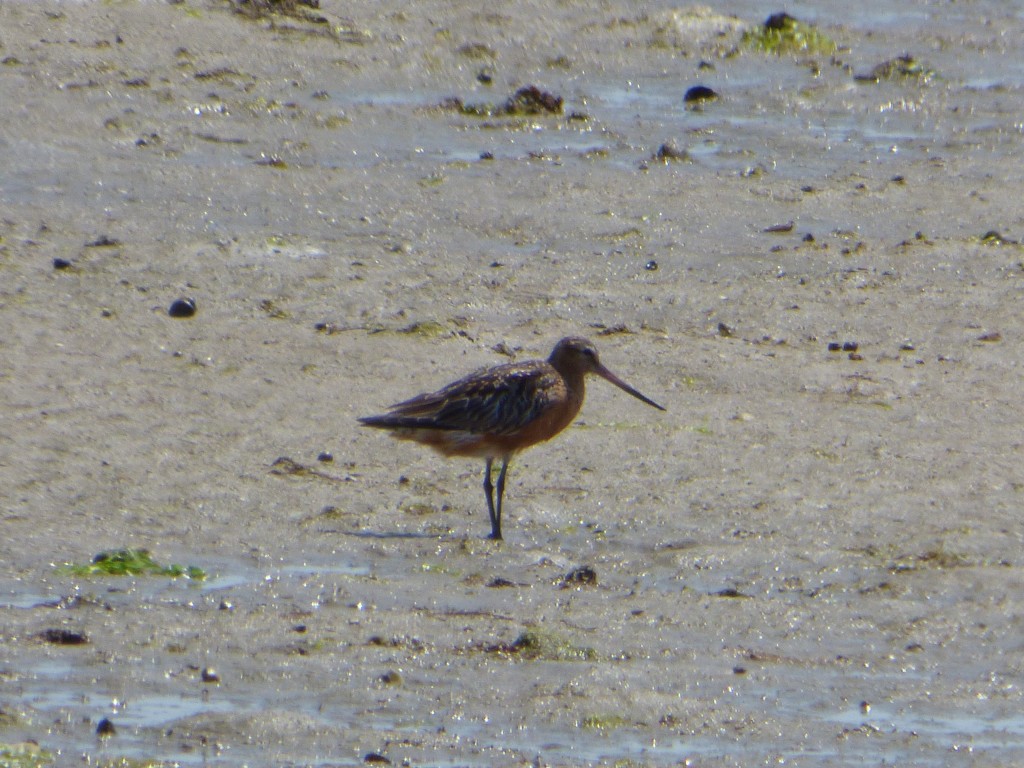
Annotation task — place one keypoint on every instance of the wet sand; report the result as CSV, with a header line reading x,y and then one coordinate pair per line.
x,y
812,557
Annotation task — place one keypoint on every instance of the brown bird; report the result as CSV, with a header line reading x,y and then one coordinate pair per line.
x,y
496,412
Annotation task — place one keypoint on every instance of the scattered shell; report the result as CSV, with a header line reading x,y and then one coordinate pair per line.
x,y
846,346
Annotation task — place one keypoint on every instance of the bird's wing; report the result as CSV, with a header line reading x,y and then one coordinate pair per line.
x,y
494,401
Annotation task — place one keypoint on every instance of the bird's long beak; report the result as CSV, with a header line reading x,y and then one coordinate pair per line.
x,y
607,375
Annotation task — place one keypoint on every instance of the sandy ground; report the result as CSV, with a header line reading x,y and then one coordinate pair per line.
x,y
814,557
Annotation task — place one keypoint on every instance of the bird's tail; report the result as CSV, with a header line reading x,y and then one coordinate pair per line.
x,y
396,421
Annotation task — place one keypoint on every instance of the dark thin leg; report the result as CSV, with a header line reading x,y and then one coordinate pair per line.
x,y
496,533
489,492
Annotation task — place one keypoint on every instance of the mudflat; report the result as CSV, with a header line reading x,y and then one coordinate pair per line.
x,y
814,556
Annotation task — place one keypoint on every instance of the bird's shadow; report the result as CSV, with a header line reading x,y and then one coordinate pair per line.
x,y
388,535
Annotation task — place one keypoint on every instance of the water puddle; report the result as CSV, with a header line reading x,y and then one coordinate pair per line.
x,y
983,731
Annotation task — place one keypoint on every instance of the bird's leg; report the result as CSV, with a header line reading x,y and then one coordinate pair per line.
x,y
496,533
489,492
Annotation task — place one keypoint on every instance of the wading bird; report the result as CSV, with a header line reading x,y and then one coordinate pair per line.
x,y
497,412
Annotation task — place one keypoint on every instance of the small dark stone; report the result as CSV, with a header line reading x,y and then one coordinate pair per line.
x,y
325,457
500,583
485,155
699,93
808,238
724,330
584,576
728,592
103,242
61,636
850,346
105,728
376,757
60,263
834,346
531,100
485,76
651,266
182,308
300,628
779,21
779,229
209,675
669,151
739,670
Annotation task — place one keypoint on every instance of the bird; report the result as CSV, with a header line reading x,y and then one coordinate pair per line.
x,y
494,413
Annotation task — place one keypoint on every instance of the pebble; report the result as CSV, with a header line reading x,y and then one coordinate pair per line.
x,y
699,93
182,308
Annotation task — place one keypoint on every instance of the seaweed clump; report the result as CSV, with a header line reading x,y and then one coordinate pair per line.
x,y
528,101
904,67
781,34
133,562
542,645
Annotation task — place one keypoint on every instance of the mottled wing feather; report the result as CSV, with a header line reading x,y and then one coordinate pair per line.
x,y
495,401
